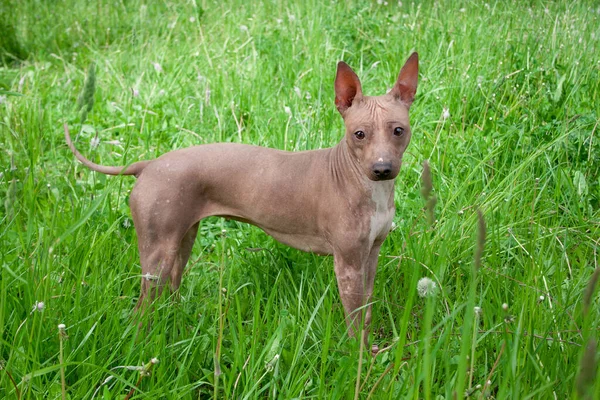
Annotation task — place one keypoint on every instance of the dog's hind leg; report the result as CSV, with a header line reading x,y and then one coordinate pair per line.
x,y
185,249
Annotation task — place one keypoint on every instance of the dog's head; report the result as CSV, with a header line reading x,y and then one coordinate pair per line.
x,y
377,128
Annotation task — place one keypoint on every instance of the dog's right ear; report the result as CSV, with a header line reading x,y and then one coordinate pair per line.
x,y
347,87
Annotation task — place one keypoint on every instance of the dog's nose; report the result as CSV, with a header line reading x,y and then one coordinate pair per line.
x,y
382,170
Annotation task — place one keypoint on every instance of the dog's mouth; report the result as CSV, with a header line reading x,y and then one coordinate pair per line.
x,y
377,178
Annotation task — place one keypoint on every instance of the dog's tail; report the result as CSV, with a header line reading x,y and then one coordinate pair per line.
x,y
133,169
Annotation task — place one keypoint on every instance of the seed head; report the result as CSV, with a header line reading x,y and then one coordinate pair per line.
x,y
426,287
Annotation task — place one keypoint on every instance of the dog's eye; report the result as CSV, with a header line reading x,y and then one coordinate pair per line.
x,y
359,135
398,131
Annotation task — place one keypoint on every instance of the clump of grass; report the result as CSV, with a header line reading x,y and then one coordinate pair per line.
x,y
85,101
426,192
144,372
587,371
62,335
588,294
506,124
11,48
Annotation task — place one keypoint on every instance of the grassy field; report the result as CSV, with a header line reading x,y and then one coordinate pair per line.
x,y
507,113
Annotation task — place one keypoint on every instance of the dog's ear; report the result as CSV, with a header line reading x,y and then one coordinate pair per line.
x,y
347,87
406,85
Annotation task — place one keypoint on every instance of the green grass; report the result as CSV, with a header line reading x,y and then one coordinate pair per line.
x,y
521,82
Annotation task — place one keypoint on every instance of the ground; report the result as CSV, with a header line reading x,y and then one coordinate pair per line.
x,y
507,114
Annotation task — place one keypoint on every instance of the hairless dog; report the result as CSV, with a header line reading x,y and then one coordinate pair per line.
x,y
337,201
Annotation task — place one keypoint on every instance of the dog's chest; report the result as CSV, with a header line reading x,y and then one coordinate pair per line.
x,y
383,213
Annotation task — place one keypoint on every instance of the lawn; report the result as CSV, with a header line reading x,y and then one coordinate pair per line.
x,y
507,114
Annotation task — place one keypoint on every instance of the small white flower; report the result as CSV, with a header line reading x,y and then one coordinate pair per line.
x,y
161,92
38,306
292,17
149,277
135,92
287,110
154,360
171,25
126,223
504,306
271,364
542,298
462,10
94,142
157,67
298,91
445,113
426,287
279,20
243,28
478,310
61,327
192,19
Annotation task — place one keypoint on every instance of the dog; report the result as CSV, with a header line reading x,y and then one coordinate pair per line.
x,y
337,201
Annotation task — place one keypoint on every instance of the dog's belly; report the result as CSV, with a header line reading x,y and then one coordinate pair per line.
x,y
310,244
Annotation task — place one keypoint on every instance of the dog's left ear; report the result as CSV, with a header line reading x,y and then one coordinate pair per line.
x,y
406,85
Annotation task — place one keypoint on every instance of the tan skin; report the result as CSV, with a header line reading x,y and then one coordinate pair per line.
x,y
337,201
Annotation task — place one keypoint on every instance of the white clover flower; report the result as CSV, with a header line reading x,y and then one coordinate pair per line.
x,y
426,287
445,113
154,360
192,19
243,28
38,306
135,92
157,67
61,327
94,142
287,110
478,310
504,306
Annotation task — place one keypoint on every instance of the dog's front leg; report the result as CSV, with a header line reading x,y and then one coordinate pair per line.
x,y
371,270
352,279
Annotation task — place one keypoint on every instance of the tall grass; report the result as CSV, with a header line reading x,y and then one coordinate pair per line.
x,y
507,113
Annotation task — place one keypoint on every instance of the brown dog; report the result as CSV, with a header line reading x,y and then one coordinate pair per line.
x,y
337,201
